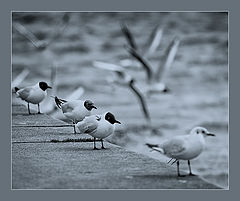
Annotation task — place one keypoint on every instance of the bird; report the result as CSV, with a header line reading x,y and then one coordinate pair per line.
x,y
76,110
41,45
155,80
33,94
183,147
124,79
98,126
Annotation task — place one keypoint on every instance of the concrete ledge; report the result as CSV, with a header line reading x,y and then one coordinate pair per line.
x,y
37,163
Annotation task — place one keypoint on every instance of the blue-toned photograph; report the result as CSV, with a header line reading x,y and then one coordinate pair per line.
x,y
120,100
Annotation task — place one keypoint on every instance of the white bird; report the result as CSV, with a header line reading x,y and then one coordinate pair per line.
x,y
76,110
184,147
33,94
155,80
98,126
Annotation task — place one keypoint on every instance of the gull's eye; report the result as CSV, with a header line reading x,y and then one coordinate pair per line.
x,y
203,132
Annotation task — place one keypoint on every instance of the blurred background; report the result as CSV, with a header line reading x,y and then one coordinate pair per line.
x,y
68,44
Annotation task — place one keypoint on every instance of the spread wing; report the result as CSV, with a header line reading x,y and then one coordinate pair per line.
x,y
154,40
24,93
128,36
142,61
168,59
173,147
119,70
88,125
141,99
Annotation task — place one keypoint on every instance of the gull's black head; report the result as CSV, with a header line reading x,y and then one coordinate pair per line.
x,y
111,119
44,86
89,105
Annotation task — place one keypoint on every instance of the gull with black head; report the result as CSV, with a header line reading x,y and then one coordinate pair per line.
x,y
183,147
33,94
98,126
75,110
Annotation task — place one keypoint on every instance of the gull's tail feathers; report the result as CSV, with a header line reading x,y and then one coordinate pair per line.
x,y
155,147
59,102
16,89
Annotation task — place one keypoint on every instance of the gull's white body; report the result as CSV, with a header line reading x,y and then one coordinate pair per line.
x,y
156,87
33,94
96,126
184,147
75,110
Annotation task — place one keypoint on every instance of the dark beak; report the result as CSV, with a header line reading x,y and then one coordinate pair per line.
x,y
49,87
210,134
93,106
117,122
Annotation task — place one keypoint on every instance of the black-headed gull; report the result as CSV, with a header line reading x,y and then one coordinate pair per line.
x,y
98,126
33,94
76,110
184,147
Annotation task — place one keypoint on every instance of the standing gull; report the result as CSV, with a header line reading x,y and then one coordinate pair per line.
x,y
98,126
76,110
33,94
184,147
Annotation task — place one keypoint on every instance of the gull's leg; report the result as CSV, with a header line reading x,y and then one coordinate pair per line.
x,y
190,171
74,127
29,109
102,144
94,142
39,109
178,163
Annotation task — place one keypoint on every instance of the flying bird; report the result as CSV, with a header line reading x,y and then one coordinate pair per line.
x,y
98,126
155,80
75,110
43,44
124,79
33,94
183,147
